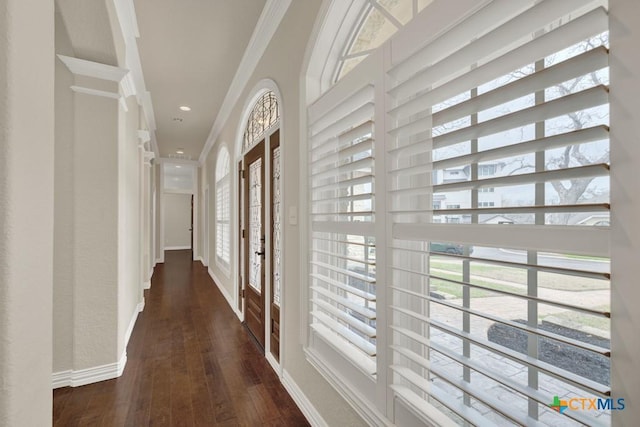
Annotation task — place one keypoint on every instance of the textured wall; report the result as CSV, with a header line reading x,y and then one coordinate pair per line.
x,y
95,229
129,228
26,210
282,62
63,215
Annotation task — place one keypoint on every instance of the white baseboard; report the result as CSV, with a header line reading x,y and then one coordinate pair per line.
x,y
222,289
96,374
132,323
305,405
176,248
61,379
275,365
71,378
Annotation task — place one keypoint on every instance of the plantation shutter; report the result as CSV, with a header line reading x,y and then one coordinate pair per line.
x,y
342,207
223,208
511,100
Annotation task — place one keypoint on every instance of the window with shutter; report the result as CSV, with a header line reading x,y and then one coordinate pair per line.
x,y
471,152
343,258
223,205
490,327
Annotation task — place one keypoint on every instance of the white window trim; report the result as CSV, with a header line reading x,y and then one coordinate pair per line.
x,y
256,92
366,394
324,52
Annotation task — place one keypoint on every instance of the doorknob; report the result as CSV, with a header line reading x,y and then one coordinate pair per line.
x,y
261,253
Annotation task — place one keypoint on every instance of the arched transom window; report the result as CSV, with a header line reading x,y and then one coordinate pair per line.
x,y
378,20
264,115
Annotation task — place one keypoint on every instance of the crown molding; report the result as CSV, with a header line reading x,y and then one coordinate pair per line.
x,y
128,86
82,67
126,14
148,157
101,93
95,92
97,70
270,18
144,135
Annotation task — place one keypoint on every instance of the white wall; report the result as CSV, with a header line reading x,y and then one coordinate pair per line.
x,y
130,280
26,210
282,62
95,229
63,255
177,221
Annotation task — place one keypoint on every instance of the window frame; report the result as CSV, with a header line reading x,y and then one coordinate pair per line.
x,y
339,370
222,185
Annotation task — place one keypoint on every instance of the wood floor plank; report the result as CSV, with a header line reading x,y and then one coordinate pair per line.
x,y
190,363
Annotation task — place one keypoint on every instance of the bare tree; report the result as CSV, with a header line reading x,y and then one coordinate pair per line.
x,y
571,191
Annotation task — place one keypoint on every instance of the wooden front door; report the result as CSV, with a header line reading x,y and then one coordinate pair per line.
x,y
254,274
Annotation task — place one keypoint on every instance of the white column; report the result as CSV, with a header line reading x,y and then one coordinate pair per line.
x,y
26,210
148,170
96,218
145,214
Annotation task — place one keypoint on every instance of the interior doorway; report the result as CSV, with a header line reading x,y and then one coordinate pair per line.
x,y
178,207
178,221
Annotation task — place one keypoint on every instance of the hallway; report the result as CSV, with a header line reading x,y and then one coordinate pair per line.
x,y
190,362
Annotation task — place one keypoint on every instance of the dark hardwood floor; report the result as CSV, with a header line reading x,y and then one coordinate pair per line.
x,y
190,363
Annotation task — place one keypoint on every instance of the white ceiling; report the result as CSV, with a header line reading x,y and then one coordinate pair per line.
x,y
190,51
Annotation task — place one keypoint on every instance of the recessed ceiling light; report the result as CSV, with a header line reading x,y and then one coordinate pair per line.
x,y
180,151
178,166
185,108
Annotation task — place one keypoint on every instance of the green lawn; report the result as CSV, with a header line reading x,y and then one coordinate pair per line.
x,y
456,289
589,258
517,275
